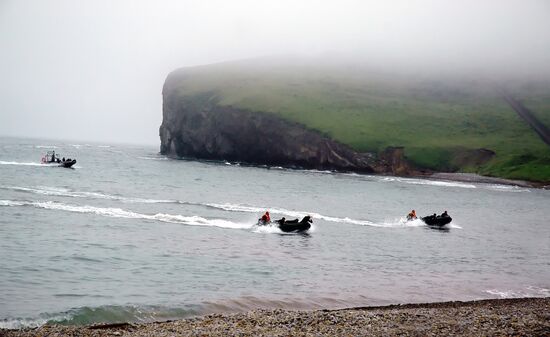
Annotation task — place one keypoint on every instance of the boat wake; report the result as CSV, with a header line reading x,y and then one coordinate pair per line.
x,y
193,220
21,163
63,192
286,212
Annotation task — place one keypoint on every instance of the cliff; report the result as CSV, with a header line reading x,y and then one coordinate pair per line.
x,y
197,126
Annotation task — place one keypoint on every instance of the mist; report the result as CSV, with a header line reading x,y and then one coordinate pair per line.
x,y
94,70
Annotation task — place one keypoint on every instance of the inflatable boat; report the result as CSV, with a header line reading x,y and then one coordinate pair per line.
x,y
437,220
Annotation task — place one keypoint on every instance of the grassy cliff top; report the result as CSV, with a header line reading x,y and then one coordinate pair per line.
x,y
436,119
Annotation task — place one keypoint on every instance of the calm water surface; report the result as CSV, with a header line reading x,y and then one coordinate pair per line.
x,y
129,235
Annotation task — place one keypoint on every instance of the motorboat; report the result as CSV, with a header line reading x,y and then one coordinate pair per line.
x,y
52,158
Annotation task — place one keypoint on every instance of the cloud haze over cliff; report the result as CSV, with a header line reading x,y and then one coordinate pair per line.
x,y
94,70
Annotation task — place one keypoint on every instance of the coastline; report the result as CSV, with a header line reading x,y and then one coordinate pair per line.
x,y
476,178
502,317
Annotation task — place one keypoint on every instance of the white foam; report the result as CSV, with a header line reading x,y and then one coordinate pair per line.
x,y
10,203
508,188
46,147
269,229
63,192
44,190
403,222
22,323
428,182
273,228
297,214
121,213
22,163
153,158
529,291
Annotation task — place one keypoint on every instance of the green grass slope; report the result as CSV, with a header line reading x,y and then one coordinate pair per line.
x,y
435,120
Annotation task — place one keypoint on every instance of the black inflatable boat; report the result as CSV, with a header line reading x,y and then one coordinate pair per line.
x,y
437,220
67,163
295,225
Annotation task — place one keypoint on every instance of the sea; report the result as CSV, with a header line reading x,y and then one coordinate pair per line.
x,y
129,235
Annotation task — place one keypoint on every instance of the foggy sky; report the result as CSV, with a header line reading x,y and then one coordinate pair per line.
x,y
94,70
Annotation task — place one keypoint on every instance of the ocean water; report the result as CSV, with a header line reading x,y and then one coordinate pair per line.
x,y
129,235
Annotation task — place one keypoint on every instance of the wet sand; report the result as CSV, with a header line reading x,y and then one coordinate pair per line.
x,y
506,317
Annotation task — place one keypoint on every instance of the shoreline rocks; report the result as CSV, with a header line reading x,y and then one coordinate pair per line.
x,y
499,317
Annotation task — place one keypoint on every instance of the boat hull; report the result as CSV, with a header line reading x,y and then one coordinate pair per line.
x,y
67,163
294,227
438,221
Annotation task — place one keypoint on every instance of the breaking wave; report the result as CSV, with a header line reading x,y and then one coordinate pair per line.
x,y
152,158
530,291
102,314
428,182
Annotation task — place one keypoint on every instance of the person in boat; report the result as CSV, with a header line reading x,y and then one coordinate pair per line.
x,y
281,221
63,159
53,157
265,219
411,215
444,214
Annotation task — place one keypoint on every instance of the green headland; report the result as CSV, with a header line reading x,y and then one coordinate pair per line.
x,y
445,123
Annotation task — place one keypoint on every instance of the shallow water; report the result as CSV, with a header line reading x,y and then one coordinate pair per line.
x,y
131,235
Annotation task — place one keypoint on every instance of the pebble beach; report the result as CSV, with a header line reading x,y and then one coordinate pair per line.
x,y
503,317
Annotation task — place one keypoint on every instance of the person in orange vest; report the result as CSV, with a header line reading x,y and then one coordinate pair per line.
x,y
411,215
265,218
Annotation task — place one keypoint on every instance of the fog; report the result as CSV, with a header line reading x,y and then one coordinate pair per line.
x,y
94,70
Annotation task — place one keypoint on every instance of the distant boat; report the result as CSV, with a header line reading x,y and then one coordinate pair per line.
x,y
51,158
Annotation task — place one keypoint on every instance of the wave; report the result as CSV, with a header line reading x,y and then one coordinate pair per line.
x,y
46,147
193,220
428,182
530,291
507,188
156,313
153,158
102,314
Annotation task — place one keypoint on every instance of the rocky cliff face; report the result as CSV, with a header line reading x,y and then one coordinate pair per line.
x,y
198,127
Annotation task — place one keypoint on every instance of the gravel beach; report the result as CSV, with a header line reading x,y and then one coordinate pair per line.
x,y
505,317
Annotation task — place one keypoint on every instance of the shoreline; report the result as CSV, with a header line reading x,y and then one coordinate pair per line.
x,y
476,178
502,317
431,175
